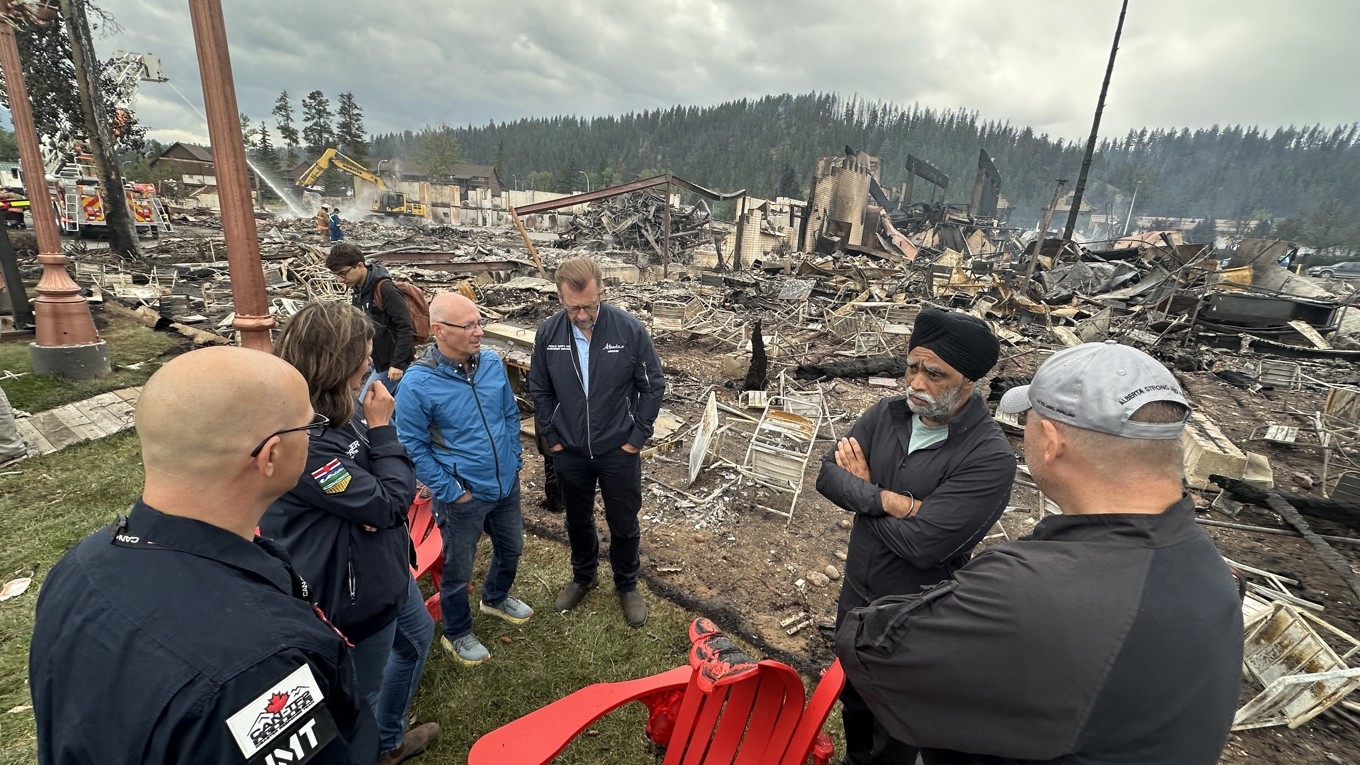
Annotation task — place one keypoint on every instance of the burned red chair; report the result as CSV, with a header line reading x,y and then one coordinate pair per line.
x,y
722,709
429,547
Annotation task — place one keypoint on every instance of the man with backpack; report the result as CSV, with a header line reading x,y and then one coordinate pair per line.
x,y
390,304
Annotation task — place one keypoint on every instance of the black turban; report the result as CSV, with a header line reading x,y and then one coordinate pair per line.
x,y
961,340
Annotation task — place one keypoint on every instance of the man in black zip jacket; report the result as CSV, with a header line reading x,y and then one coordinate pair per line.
x,y
597,387
1111,634
394,338
926,475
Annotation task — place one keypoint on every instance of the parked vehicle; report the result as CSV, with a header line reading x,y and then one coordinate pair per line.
x,y
1349,269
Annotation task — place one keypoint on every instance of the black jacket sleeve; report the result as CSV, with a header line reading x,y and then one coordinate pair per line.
x,y
844,489
541,388
970,665
956,514
338,731
651,389
399,321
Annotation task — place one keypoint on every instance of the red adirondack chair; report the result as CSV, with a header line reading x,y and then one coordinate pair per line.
x,y
722,709
429,547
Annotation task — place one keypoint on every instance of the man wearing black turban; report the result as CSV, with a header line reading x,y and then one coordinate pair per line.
x,y
926,475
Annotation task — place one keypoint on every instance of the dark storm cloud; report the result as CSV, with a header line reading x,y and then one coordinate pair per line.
x,y
1034,63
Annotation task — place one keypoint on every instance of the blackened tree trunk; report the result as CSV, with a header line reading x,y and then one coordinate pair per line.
x,y
756,374
117,216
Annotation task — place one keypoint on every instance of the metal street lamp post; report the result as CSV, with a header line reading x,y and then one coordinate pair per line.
x,y
66,343
252,321
587,175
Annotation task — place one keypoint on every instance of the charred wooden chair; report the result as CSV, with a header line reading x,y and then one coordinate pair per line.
x,y
721,708
779,451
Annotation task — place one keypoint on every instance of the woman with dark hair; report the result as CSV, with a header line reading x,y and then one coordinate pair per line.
x,y
344,524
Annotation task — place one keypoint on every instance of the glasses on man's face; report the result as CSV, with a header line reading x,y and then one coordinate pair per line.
x,y
466,327
313,428
575,309
342,273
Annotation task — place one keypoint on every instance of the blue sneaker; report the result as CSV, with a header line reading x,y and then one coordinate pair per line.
x,y
467,649
512,610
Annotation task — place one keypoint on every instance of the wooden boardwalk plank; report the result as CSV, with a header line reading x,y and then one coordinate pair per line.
x,y
55,430
99,412
37,442
79,423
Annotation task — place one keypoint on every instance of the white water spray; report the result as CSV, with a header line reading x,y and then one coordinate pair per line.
x,y
293,208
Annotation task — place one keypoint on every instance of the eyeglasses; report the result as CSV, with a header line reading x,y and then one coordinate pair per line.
x,y
342,273
466,327
314,428
592,308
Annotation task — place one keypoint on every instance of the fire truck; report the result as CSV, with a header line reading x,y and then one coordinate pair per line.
x,y
72,183
78,202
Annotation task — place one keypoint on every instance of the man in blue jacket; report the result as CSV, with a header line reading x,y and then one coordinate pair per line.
x,y
597,387
459,421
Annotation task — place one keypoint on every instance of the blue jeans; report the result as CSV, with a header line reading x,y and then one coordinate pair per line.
x,y
461,525
381,377
389,663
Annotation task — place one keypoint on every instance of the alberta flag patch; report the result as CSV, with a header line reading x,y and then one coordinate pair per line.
x,y
332,477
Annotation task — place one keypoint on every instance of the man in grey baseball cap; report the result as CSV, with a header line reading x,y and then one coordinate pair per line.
x,y
1112,632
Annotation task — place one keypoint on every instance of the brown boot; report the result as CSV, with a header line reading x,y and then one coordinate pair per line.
x,y
416,742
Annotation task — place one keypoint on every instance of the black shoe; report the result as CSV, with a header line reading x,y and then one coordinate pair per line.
x,y
572,595
634,608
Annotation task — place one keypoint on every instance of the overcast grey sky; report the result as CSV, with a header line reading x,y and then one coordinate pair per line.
x,y
1189,63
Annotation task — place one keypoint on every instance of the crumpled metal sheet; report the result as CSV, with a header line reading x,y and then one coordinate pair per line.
x,y
1081,278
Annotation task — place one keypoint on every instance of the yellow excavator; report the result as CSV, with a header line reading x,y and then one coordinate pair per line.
x,y
389,202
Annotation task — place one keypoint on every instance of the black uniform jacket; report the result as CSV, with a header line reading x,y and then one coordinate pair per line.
x,y
1097,639
964,483
344,525
169,640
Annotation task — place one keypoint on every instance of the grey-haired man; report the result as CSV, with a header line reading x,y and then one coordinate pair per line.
x,y
1112,633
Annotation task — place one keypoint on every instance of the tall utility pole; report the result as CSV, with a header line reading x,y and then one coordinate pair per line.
x,y
1095,130
252,321
122,234
66,342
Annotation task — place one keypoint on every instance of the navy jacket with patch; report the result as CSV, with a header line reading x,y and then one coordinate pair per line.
x,y
626,384
344,525
142,654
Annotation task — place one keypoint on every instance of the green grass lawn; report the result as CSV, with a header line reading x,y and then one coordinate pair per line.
x,y
134,352
51,502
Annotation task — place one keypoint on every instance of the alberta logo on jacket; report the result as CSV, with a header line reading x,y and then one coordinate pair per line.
x,y
286,723
332,477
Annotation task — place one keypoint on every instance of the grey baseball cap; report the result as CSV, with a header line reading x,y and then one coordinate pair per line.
x,y
1098,386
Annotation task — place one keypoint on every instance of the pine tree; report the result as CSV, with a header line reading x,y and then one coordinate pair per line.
x,y
288,133
788,183
349,128
317,132
265,155
248,131
436,151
